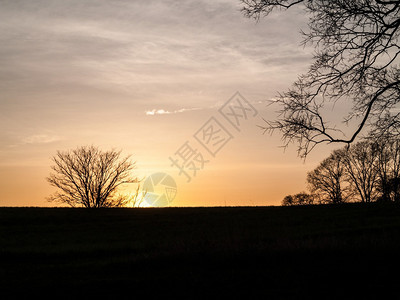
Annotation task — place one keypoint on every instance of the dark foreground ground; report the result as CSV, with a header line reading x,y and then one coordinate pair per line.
x,y
336,252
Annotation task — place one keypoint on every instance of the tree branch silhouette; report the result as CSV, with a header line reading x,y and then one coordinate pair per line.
x,y
356,60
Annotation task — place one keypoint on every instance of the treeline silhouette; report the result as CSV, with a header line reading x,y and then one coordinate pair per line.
x,y
363,172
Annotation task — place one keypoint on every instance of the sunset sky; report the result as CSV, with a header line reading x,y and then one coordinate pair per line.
x,y
145,77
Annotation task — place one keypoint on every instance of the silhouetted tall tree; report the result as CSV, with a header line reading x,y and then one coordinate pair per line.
x,y
388,168
356,59
360,163
328,180
383,172
90,177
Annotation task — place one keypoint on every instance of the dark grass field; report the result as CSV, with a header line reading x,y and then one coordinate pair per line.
x,y
337,252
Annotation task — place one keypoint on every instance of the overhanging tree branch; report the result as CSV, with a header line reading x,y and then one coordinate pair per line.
x,y
356,60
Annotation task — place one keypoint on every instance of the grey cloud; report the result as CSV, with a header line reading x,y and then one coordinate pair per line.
x,y
140,49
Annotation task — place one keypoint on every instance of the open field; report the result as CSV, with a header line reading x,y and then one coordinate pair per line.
x,y
240,252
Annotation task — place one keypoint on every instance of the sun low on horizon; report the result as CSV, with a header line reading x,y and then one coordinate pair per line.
x,y
181,87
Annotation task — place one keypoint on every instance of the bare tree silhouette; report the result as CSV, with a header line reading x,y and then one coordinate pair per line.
x,y
328,180
356,59
90,177
388,168
360,162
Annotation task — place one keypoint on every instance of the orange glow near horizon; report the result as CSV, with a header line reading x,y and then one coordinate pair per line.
x,y
250,170
103,76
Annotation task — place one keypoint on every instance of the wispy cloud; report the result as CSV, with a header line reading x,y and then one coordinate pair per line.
x,y
166,112
40,139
